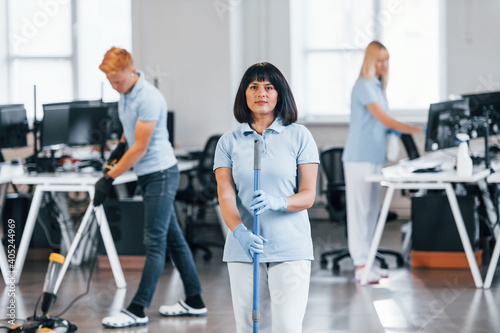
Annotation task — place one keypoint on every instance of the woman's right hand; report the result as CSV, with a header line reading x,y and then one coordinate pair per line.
x,y
249,242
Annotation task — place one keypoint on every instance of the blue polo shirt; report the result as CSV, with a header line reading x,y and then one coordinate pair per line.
x,y
145,102
283,149
367,138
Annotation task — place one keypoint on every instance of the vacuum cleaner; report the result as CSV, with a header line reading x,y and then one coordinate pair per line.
x,y
46,323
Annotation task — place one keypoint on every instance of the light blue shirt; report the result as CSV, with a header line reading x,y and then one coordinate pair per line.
x,y
284,148
146,103
367,138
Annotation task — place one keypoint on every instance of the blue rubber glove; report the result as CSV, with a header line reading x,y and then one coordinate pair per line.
x,y
250,242
263,201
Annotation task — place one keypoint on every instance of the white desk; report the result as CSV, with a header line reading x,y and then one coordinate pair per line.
x,y
67,182
7,173
399,177
75,182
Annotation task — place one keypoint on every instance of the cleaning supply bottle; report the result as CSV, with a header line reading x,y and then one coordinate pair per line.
x,y
464,162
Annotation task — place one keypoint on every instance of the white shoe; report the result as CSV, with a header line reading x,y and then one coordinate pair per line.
x,y
383,272
373,276
181,309
124,319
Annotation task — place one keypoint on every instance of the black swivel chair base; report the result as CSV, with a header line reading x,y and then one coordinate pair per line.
x,y
194,223
344,253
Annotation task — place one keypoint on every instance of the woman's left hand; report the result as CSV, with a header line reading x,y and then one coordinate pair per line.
x,y
261,201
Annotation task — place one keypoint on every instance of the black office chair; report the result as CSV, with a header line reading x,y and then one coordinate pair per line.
x,y
199,194
332,166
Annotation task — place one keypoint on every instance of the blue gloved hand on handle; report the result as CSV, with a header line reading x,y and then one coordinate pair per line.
x,y
263,201
249,241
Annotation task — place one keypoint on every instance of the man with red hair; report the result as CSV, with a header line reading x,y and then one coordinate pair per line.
x,y
143,113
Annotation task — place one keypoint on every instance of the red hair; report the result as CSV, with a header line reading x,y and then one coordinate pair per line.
x,y
116,60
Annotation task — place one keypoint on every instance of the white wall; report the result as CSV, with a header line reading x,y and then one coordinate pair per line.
x,y
186,45
473,44
205,46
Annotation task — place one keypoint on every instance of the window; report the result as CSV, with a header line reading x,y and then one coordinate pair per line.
x,y
328,42
58,45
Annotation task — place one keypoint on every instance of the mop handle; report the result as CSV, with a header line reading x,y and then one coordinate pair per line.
x,y
256,231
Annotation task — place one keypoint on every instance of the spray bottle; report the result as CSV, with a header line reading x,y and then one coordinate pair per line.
x,y
464,162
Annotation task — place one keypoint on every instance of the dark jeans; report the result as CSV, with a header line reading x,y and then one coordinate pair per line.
x,y
162,232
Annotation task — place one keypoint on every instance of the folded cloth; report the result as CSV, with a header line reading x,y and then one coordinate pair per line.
x,y
181,309
124,319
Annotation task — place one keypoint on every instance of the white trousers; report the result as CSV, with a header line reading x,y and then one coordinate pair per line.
x,y
283,293
363,206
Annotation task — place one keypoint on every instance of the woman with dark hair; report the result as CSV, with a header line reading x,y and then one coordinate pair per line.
x,y
365,154
265,107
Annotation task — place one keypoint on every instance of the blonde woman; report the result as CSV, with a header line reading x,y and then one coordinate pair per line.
x,y
365,153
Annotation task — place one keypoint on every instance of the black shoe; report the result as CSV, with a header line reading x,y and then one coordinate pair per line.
x,y
391,216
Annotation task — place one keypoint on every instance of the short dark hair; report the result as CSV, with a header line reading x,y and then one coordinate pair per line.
x,y
285,106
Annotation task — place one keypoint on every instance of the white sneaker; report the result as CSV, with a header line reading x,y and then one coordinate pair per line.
x,y
373,276
181,309
124,319
383,272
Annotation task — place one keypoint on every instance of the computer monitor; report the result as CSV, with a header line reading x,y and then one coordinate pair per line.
x,y
88,125
445,121
478,104
54,126
13,127
77,123
115,128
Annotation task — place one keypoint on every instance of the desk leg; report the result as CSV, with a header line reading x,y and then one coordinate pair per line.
x,y
73,247
4,265
463,235
28,232
493,265
378,234
110,248
106,236
67,230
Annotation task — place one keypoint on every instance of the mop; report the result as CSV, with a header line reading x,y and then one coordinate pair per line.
x,y
256,231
